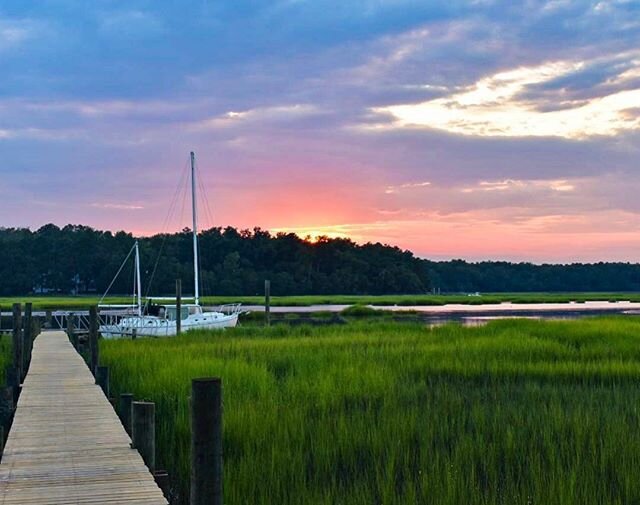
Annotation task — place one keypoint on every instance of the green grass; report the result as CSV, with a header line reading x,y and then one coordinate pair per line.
x,y
83,302
515,412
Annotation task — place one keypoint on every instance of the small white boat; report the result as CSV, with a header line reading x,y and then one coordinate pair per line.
x,y
161,320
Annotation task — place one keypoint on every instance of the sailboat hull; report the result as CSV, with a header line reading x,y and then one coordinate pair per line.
x,y
150,326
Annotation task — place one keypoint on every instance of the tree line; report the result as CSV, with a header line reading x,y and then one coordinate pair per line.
x,y
79,259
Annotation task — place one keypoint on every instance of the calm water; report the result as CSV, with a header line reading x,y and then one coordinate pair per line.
x,y
477,315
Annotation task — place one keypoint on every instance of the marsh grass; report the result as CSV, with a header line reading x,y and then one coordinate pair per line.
x,y
517,411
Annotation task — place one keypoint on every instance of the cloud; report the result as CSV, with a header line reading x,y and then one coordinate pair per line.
x,y
16,32
127,109
406,185
520,185
492,107
277,113
131,24
45,134
117,206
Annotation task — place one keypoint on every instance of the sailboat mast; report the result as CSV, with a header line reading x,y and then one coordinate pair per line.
x,y
138,282
195,227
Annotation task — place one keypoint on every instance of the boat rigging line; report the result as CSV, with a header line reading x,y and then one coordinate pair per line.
x,y
133,247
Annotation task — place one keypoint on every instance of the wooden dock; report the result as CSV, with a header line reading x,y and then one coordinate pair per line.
x,y
67,445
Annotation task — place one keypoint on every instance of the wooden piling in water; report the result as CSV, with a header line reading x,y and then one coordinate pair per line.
x,y
17,340
178,306
102,379
206,442
126,399
267,302
93,337
143,436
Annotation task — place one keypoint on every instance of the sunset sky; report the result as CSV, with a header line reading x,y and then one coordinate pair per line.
x,y
476,130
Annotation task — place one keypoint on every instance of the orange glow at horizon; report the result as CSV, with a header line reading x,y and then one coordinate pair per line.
x,y
313,234
475,236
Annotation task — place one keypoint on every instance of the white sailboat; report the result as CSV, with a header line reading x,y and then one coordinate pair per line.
x,y
161,320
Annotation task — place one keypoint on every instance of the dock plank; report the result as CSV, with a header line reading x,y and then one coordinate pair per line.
x,y
66,445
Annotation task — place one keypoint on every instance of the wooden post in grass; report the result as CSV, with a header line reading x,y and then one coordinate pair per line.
x,y
126,399
206,442
102,379
178,306
93,337
143,436
17,340
267,302
28,336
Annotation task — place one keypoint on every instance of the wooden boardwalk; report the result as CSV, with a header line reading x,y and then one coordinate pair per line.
x,y
67,445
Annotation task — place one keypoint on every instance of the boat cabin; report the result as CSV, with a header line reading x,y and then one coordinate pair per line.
x,y
169,312
185,311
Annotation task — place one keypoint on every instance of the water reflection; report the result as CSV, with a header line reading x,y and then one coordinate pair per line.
x,y
476,321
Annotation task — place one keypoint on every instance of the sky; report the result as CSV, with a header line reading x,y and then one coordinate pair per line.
x,y
505,130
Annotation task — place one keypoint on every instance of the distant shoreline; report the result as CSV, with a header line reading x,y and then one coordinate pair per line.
x,y
495,302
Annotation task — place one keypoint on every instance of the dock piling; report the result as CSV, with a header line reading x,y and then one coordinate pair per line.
x,y
7,406
17,340
102,379
28,335
71,331
143,435
162,479
178,306
93,337
267,302
126,399
206,442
